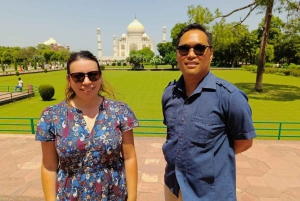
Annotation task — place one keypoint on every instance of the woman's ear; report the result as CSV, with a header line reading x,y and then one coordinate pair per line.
x,y
68,80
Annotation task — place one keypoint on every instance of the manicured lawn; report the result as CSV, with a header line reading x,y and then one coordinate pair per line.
x,y
145,66
142,90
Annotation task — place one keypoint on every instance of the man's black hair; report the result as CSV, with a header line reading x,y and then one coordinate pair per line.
x,y
194,26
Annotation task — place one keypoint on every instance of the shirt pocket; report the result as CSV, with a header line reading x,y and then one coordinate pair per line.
x,y
205,129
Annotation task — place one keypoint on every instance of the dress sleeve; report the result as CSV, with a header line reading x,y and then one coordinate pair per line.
x,y
45,131
239,119
128,120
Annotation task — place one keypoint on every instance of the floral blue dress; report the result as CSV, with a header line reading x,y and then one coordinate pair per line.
x,y
91,166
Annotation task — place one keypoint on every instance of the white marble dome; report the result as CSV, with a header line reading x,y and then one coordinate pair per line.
x,y
50,41
135,28
123,35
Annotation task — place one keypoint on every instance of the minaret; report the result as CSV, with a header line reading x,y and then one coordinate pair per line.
x,y
99,45
164,35
115,49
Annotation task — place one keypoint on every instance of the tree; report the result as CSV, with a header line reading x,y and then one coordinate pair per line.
x,y
168,52
47,55
156,60
135,60
262,53
37,59
291,6
176,30
227,37
275,33
287,50
231,43
42,47
146,53
15,53
170,58
2,65
15,65
136,57
165,48
198,14
269,53
64,55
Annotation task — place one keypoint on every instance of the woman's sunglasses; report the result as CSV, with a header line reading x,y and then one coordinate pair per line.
x,y
79,77
199,49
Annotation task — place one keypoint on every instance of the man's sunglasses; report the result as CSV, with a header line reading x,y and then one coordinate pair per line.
x,y
199,49
79,77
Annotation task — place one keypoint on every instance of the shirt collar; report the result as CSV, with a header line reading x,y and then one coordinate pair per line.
x,y
208,82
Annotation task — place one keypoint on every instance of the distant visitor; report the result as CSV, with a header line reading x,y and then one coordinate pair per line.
x,y
20,85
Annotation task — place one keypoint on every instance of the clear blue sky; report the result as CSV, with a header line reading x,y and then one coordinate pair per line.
x,y
74,22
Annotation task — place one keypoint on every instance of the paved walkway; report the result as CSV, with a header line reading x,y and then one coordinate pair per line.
x,y
269,171
8,97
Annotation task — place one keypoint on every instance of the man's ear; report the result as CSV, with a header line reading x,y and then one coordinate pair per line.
x,y
211,55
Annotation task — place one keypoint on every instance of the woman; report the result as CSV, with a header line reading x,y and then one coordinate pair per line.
x,y
87,140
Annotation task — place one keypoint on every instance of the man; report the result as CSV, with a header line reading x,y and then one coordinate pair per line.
x,y
208,121
20,85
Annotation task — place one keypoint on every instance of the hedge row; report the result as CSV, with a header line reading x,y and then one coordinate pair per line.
x,y
279,71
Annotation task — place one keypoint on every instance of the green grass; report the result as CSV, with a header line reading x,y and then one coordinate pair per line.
x,y
146,66
142,90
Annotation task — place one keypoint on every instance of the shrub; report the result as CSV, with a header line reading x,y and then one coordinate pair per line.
x,y
113,64
119,63
46,91
252,68
295,72
124,64
286,72
102,67
45,70
271,70
285,65
17,73
268,65
292,65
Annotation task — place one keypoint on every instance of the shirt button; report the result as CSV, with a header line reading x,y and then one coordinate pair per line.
x,y
180,136
178,152
183,119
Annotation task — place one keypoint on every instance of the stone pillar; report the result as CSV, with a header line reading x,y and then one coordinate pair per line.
x,y
99,44
164,35
115,48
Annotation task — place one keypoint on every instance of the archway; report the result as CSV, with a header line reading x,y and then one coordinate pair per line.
x,y
133,46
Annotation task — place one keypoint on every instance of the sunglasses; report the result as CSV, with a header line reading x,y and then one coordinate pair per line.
x,y
79,77
199,49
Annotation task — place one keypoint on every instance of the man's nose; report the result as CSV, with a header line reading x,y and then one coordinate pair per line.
x,y
191,53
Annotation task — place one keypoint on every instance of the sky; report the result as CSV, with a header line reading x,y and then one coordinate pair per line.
x,y
26,23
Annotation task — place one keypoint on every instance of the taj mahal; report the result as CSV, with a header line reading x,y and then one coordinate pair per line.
x,y
136,39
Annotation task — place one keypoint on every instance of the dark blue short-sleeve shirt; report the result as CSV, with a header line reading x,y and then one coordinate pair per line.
x,y
201,129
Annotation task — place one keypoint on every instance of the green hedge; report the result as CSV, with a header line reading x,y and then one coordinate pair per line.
x,y
46,91
292,70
